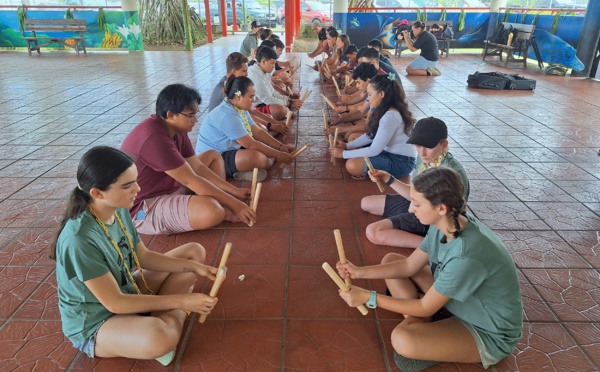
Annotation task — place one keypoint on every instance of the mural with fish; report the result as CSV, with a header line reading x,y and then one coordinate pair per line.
x,y
559,48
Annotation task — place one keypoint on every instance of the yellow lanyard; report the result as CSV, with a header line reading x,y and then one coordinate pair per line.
x,y
114,243
434,163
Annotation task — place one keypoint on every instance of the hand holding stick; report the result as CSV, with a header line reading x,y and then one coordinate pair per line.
x,y
328,101
333,141
306,95
379,182
253,189
332,145
220,276
340,247
288,118
333,275
295,154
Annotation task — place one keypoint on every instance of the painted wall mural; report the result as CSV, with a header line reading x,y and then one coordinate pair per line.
x,y
123,29
554,48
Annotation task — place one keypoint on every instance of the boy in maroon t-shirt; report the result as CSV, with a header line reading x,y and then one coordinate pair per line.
x,y
179,190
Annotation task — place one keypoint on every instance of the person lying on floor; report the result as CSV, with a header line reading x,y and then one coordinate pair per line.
x,y
401,228
387,131
458,291
230,130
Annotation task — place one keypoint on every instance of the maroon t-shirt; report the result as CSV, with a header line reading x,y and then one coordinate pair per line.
x,y
155,152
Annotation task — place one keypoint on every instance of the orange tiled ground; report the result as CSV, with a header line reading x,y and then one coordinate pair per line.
x,y
532,159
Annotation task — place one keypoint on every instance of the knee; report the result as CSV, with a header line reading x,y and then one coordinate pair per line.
x,y
161,340
365,204
355,168
372,232
409,70
212,155
390,257
195,252
402,341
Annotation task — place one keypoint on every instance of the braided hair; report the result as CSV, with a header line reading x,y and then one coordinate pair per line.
x,y
442,185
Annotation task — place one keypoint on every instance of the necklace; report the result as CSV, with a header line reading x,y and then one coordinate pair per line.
x,y
244,118
433,164
114,243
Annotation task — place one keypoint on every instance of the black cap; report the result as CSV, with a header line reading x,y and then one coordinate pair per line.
x,y
255,24
428,132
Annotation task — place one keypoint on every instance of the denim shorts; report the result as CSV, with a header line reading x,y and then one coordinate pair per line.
x,y
398,166
421,63
88,345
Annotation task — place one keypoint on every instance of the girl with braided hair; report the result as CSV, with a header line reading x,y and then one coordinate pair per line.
x,y
459,292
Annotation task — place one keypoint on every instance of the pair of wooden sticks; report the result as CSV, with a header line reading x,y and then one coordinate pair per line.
x,y
342,284
328,101
221,272
255,191
332,139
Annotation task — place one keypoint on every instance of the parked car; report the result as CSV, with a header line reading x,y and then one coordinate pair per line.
x,y
310,11
214,12
259,12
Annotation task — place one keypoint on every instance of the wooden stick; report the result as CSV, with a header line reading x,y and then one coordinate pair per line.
x,y
337,88
254,179
351,81
256,197
220,276
290,90
288,118
328,101
340,283
295,154
325,118
370,166
340,247
335,136
346,80
306,95
332,145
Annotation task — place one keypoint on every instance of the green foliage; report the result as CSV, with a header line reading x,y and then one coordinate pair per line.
x,y
69,14
461,19
101,20
555,23
187,27
424,15
163,22
21,16
443,15
506,14
9,38
418,14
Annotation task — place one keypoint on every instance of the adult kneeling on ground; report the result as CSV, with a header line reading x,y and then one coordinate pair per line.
x,y
425,64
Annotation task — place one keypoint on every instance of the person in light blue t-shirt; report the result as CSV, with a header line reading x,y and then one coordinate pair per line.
x,y
459,291
230,130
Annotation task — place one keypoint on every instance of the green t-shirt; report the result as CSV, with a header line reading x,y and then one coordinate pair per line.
x,y
478,274
84,252
450,162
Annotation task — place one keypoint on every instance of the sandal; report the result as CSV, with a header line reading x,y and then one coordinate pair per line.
x,y
360,178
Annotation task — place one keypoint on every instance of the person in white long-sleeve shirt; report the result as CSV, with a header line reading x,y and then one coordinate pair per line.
x,y
384,142
269,101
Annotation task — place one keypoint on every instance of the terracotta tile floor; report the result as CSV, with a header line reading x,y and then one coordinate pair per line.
x,y
531,156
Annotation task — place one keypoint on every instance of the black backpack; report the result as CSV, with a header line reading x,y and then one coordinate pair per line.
x,y
497,35
499,80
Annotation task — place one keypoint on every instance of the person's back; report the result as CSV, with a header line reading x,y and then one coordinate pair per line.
x,y
217,95
428,45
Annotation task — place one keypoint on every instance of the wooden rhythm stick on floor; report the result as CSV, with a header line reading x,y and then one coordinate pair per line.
x,y
255,198
340,247
306,95
332,145
336,278
296,153
254,180
288,117
346,80
325,119
337,87
328,101
222,270
335,136
370,166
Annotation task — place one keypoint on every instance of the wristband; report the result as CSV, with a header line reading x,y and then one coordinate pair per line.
x,y
269,125
290,104
390,181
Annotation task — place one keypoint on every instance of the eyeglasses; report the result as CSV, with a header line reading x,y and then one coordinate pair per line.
x,y
192,116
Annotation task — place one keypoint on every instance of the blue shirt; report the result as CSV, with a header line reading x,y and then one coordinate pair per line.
x,y
221,129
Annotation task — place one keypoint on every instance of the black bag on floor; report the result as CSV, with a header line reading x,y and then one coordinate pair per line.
x,y
499,80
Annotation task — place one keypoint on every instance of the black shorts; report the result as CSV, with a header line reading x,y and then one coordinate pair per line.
x,y
394,205
229,159
410,223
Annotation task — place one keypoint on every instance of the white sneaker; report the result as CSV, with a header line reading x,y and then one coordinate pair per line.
x,y
166,359
247,176
434,71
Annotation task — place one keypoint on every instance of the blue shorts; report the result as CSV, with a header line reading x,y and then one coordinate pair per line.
x,y
398,166
420,63
88,345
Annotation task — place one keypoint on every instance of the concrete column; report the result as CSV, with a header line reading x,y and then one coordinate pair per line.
x,y
340,6
340,11
131,30
588,40
495,6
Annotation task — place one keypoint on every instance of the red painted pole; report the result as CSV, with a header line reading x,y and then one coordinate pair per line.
x,y
297,17
208,23
289,24
234,10
223,18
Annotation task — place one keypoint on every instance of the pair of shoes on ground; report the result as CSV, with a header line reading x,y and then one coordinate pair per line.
x,y
433,71
247,176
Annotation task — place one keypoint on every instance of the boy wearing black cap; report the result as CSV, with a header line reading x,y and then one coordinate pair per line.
x,y
251,40
400,228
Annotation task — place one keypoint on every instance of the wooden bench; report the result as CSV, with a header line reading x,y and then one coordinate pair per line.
x,y
524,32
443,44
74,26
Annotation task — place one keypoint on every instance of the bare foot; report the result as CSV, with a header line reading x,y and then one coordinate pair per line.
x,y
230,216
